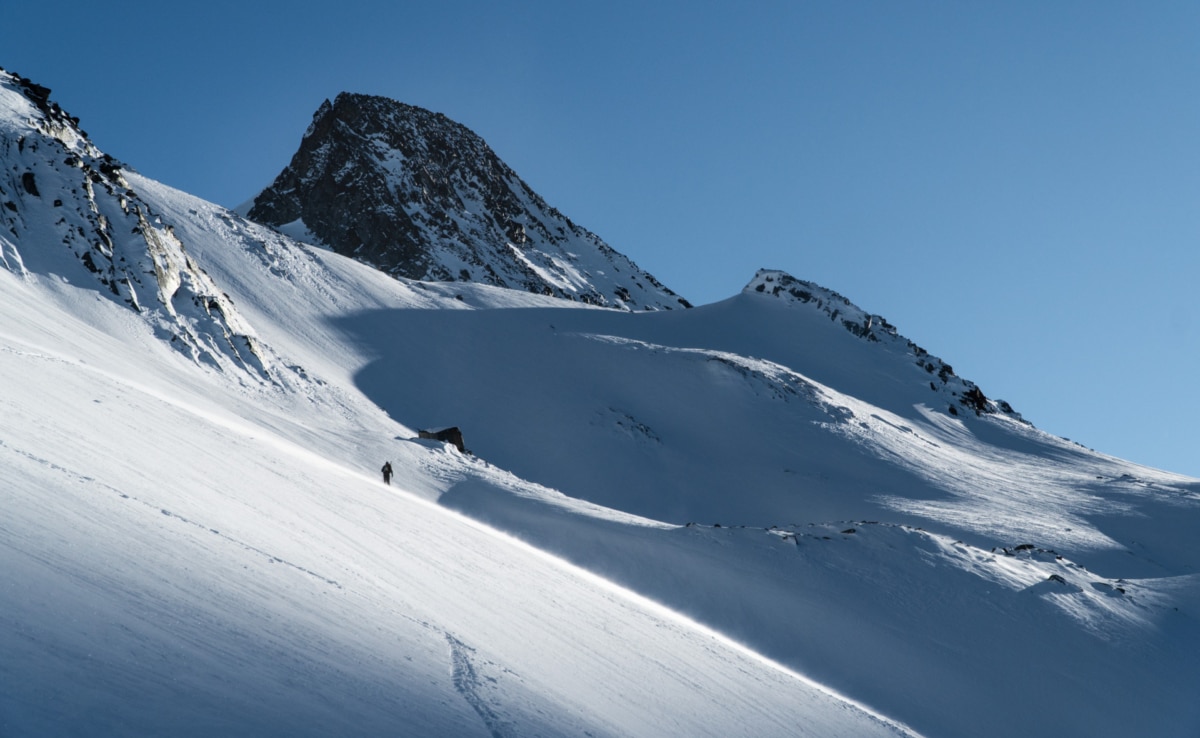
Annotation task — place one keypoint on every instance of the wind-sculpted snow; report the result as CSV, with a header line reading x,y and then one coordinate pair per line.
x,y
660,431
952,638
602,406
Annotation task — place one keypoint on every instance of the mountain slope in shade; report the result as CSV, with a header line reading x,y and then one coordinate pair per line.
x,y
420,196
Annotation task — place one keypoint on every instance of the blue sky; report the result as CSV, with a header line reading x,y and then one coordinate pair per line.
x,y
1013,185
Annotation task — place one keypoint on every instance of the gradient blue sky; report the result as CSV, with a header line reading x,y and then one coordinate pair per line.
x,y
1014,185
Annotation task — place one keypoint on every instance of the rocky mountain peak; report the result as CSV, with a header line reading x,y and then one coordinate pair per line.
x,y
420,196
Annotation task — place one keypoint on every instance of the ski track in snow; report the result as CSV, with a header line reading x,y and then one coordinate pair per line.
x,y
253,549
468,684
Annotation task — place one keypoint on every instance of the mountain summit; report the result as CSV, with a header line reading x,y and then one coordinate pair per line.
x,y
419,196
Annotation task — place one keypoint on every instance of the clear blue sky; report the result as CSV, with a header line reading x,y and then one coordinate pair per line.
x,y
1015,186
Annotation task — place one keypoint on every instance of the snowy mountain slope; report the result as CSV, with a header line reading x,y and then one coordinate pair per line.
x,y
420,196
256,576
223,579
951,638
672,417
669,416
193,548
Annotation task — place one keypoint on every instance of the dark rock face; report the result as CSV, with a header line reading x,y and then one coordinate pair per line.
x,y
417,195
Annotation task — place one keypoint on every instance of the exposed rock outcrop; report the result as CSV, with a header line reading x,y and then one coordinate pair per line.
x,y
69,211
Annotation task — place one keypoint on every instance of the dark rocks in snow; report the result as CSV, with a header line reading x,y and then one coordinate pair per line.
x,y
36,94
1112,590
89,263
976,400
451,435
1030,551
107,230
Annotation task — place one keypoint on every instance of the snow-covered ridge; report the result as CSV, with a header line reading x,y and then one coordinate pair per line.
x,y
869,327
417,195
67,210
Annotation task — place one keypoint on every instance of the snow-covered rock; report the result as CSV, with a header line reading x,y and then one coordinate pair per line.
x,y
67,212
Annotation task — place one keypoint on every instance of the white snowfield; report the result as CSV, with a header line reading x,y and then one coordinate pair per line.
x,y
740,519
169,566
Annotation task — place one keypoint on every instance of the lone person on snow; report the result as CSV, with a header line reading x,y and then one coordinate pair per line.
x,y
387,472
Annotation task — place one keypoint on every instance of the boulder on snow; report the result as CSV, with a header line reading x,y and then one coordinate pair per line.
x,y
445,435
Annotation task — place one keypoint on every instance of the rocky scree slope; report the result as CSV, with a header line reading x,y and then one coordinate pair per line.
x,y
418,195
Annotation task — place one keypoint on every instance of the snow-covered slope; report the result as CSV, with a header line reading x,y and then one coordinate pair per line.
x,y
196,548
418,195
196,545
171,567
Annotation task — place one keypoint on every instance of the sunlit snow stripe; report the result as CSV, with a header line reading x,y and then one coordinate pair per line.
x,y
661,611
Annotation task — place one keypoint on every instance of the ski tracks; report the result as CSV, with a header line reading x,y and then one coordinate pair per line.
x,y
468,683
